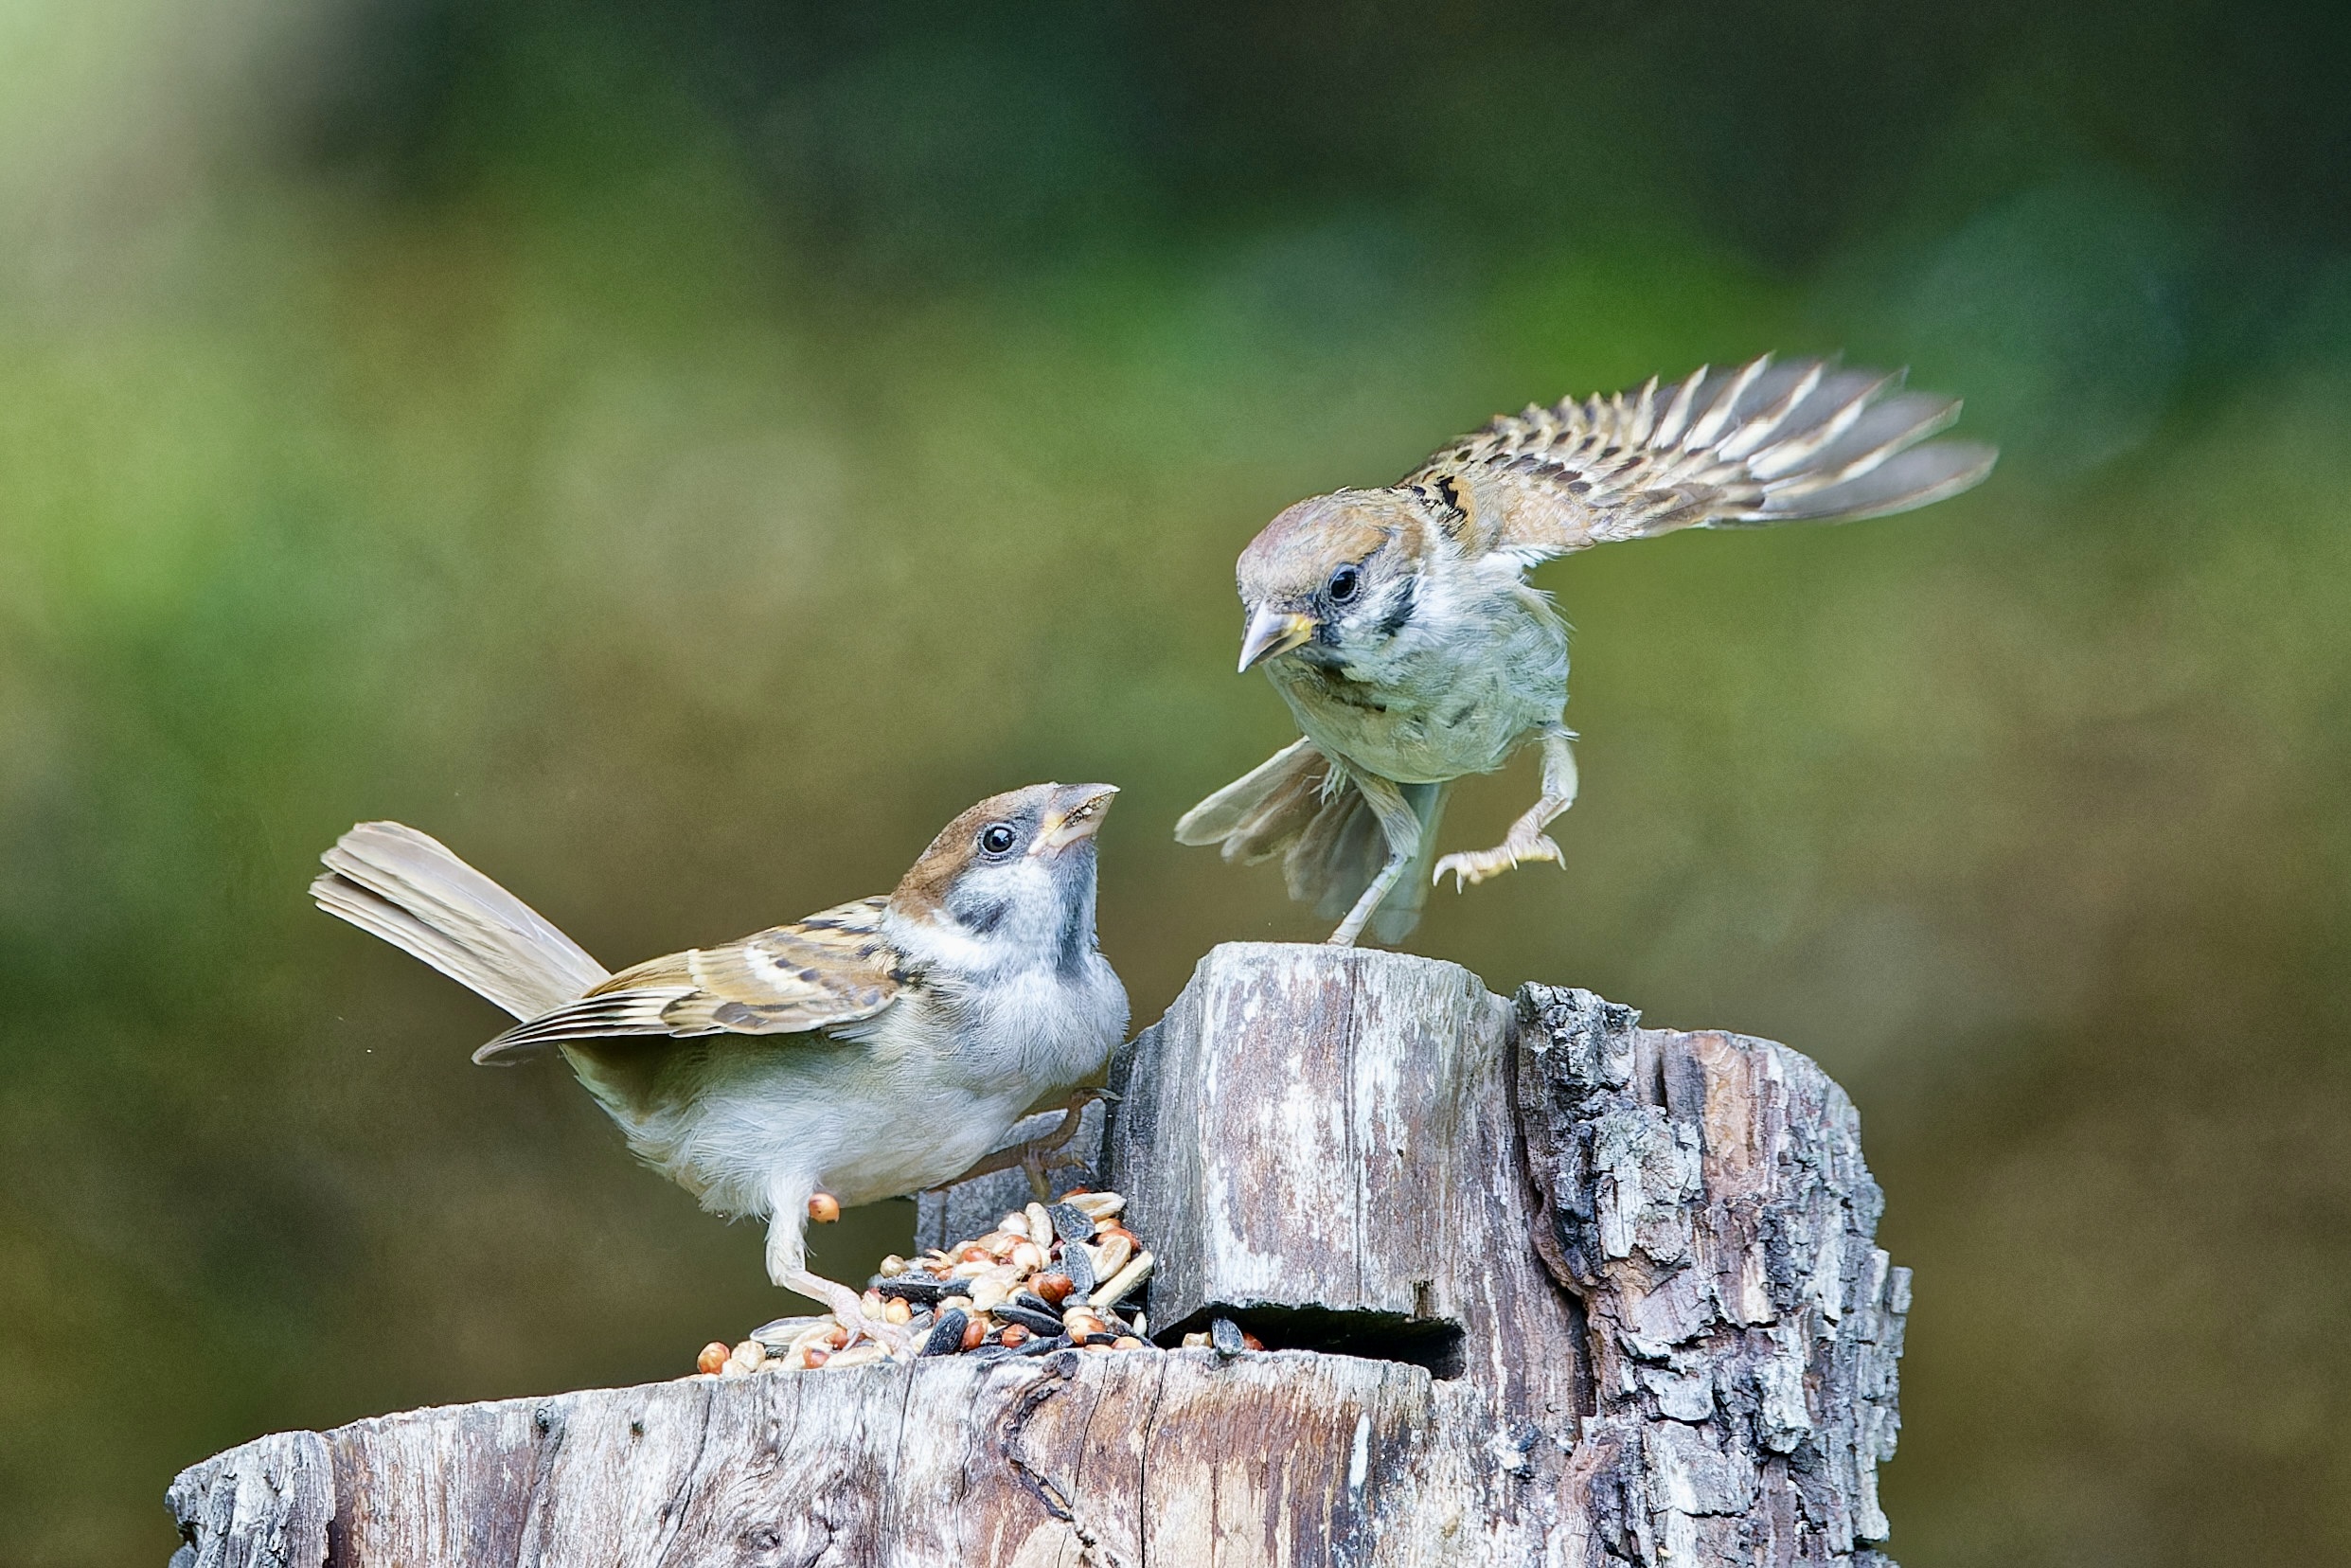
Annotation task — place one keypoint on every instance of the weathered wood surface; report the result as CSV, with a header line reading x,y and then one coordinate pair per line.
x,y
1676,1335
1704,1195
1319,1142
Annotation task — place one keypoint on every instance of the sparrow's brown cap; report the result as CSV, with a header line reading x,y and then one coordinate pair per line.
x,y
1292,556
1048,819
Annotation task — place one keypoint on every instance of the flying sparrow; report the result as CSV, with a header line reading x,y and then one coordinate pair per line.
x,y
1399,626
874,1049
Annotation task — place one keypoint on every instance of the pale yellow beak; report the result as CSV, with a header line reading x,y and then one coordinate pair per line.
x,y
1077,812
1273,631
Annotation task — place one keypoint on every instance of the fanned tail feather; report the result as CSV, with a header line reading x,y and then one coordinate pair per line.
x,y
1329,838
407,888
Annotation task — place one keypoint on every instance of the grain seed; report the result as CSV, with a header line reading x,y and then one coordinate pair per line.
x,y
1111,1253
1135,1274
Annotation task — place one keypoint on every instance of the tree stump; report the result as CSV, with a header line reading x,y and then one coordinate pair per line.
x,y
1539,1286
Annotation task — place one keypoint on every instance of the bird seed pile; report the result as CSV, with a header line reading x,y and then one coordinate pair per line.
x,y
1048,1277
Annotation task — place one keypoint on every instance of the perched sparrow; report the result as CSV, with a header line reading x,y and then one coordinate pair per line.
x,y
875,1049
1398,624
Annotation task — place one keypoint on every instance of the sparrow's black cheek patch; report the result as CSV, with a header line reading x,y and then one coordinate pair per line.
x,y
981,917
1400,614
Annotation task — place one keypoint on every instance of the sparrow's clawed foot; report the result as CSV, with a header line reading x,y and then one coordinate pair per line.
x,y
1475,866
1035,1156
848,1310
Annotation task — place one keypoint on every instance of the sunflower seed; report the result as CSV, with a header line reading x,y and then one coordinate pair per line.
x,y
1078,1263
778,1336
1037,1320
945,1334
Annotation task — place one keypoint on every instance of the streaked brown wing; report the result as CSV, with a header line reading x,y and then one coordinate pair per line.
x,y
832,969
1803,441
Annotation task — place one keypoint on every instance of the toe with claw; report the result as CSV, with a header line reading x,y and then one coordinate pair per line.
x,y
1476,865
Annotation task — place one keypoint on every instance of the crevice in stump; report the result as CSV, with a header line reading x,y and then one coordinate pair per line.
x,y
1540,1286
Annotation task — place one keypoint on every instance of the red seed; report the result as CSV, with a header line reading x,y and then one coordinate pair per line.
x,y
823,1208
713,1357
1052,1287
1014,1334
1250,1341
812,1358
973,1332
837,1336
1125,1342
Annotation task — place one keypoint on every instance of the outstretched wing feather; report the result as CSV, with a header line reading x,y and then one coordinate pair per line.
x,y
1760,443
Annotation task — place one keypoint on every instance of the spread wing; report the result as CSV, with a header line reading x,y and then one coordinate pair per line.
x,y
832,969
1803,441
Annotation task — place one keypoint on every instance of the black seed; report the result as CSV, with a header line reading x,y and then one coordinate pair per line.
x,y
1044,1346
1225,1335
1034,1303
1071,1224
1078,1264
945,1334
914,1287
1042,1322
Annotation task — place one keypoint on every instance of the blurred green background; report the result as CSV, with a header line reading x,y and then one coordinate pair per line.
x,y
682,453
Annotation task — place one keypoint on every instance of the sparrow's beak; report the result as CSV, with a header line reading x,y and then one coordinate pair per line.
x,y
1273,631
1074,814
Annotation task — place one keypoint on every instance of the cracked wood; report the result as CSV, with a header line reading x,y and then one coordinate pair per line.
x,y
1677,1336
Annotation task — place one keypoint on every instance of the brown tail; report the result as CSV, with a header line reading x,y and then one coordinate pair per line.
x,y
407,888
1329,841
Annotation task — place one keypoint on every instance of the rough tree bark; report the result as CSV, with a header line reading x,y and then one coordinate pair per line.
x,y
1541,1287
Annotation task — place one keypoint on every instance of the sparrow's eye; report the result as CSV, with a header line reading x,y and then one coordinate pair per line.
x,y
998,838
1345,583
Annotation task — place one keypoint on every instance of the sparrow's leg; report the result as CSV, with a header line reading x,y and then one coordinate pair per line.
x,y
1401,828
787,1266
1526,840
1034,1156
